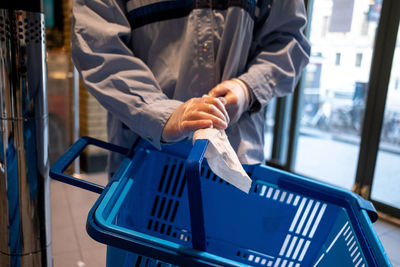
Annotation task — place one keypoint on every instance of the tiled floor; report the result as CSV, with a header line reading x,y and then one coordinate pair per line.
x,y
72,247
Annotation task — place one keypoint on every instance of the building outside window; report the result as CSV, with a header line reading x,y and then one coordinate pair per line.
x,y
333,107
359,57
337,60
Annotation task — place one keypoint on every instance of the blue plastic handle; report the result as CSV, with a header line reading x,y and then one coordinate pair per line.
x,y
192,173
57,170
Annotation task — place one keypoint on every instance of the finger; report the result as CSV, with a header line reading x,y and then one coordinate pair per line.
x,y
202,114
189,126
218,103
221,107
231,99
216,121
209,105
206,111
218,90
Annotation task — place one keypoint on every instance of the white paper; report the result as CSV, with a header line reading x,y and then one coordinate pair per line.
x,y
222,159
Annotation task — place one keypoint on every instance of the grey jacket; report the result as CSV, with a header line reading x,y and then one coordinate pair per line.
x,y
143,58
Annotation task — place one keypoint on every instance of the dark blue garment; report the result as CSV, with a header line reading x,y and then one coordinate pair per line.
x,y
31,161
14,218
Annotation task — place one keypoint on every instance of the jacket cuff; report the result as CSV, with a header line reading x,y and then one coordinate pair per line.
x,y
260,89
253,104
159,113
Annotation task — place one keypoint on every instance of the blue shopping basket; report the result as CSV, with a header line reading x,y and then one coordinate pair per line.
x,y
167,207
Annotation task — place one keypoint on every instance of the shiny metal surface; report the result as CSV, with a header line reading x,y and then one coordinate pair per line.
x,y
25,237
75,108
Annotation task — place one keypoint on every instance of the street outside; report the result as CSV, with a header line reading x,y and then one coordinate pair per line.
x,y
334,161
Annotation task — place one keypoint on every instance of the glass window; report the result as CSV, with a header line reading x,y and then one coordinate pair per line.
x,y
386,185
335,94
358,59
365,25
337,60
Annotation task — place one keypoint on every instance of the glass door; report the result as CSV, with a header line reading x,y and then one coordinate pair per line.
x,y
342,34
386,183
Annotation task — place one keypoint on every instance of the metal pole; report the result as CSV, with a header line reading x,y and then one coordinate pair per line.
x,y
25,237
76,115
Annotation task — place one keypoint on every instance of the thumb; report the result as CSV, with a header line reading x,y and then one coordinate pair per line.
x,y
218,91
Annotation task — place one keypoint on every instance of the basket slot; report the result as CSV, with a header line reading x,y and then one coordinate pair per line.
x,y
155,205
164,213
136,260
164,210
272,193
164,172
156,226
313,220
294,248
149,223
169,230
177,179
206,173
346,242
139,260
254,258
184,237
170,177
168,170
162,228
183,183
161,209
172,182
172,219
256,188
165,205
283,196
168,209
289,198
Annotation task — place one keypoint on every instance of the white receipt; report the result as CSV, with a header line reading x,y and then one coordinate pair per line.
x,y
222,159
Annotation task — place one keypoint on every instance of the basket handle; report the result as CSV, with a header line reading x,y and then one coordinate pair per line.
x,y
56,171
192,174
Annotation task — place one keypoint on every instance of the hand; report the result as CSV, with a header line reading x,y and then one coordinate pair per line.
x,y
196,113
237,96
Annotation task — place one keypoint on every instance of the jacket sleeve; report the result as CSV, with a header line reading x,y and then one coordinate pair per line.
x,y
279,51
121,82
